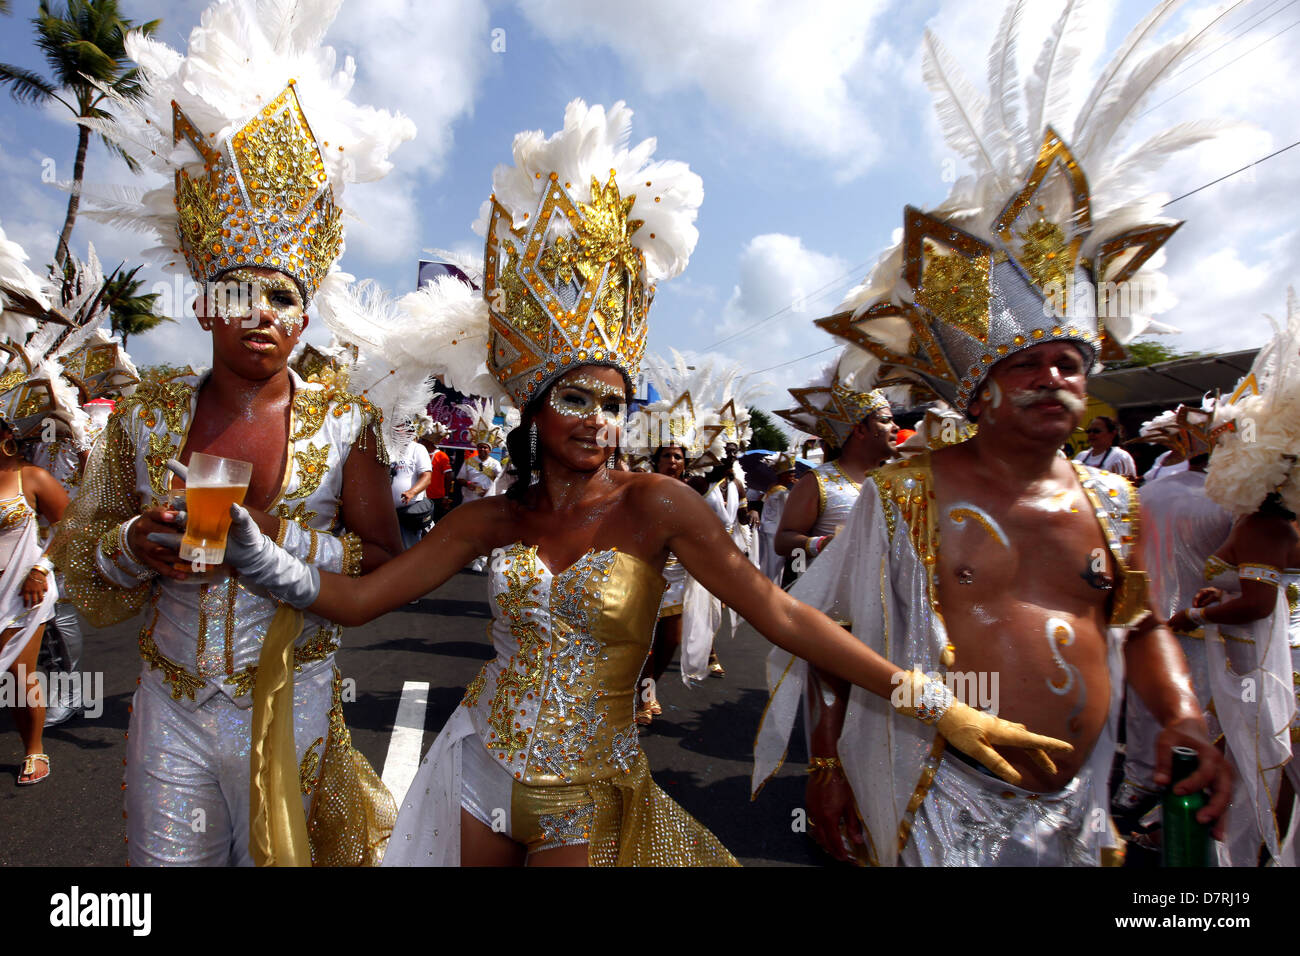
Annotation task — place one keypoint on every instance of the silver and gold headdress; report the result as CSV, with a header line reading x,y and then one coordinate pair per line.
x,y
831,405
1030,248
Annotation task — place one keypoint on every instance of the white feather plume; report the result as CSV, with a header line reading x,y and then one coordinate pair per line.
x,y
20,287
241,55
593,142
1258,453
452,337
389,369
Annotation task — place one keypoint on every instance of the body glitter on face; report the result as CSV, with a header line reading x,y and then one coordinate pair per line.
x,y
577,395
246,292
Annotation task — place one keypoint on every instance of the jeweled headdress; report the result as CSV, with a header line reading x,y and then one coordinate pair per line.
x,y
1185,431
682,415
1029,249
69,359
831,406
578,233
254,130
482,428
1258,427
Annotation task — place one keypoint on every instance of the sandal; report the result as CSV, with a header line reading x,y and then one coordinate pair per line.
x,y
29,770
715,667
655,708
644,715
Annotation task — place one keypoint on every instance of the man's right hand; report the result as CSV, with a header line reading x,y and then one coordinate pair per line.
x,y
833,815
156,556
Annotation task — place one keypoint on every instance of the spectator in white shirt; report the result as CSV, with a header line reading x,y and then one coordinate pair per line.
x,y
1105,453
412,472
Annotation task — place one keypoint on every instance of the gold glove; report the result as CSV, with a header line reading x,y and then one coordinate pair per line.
x,y
971,731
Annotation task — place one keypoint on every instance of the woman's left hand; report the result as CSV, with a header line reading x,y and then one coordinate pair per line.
x,y
33,589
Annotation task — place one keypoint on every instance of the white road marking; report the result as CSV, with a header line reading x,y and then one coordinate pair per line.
x,y
408,735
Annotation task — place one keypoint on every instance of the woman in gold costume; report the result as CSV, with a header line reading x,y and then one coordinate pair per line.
x,y
541,763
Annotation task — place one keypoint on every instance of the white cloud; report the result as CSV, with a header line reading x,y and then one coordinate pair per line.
x,y
777,275
798,74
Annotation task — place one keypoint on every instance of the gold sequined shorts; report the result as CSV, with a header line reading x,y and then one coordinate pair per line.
x,y
540,818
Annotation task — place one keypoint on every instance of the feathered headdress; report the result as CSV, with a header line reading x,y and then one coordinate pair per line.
x,y
578,233
1052,237
702,408
482,429
254,130
834,402
68,360
23,294
1258,427
1185,431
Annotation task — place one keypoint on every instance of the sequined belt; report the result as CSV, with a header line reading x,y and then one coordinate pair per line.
x,y
183,682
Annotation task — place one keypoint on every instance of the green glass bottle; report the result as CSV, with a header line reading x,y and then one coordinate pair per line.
x,y
1184,842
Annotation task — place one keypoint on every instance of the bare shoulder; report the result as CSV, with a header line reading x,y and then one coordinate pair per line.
x,y
656,497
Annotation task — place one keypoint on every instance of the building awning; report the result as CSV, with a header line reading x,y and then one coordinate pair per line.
x,y
1183,380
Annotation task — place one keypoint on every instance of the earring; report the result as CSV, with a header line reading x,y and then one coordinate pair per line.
x,y
532,442
9,447
611,463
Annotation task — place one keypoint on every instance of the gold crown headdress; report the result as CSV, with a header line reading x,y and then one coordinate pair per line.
x,y
681,416
578,233
1258,442
1027,251
482,427
832,405
253,129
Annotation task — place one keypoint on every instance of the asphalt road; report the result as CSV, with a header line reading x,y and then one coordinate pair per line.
x,y
700,750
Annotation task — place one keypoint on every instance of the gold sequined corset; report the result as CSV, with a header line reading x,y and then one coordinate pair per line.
x,y
556,705
14,513
836,496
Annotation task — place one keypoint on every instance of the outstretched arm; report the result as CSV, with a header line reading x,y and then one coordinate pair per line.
x,y
454,542
708,553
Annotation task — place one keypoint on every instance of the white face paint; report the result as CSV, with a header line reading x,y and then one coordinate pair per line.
x,y
1060,634
1073,403
962,510
242,293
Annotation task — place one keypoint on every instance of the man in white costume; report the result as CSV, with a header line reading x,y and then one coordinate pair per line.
x,y
1181,527
222,661
857,428
992,300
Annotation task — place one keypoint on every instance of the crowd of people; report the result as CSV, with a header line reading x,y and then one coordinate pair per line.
x,y
965,620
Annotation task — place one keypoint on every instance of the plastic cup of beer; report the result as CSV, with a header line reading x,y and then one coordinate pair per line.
x,y
213,485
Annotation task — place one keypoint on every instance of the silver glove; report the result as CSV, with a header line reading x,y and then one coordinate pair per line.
x,y
262,562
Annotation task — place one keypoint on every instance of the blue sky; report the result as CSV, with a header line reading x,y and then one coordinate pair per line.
x,y
808,122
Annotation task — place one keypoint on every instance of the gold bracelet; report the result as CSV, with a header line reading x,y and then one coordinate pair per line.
x,y
37,567
826,765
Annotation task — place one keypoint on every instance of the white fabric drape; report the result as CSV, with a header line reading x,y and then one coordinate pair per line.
x,y
13,613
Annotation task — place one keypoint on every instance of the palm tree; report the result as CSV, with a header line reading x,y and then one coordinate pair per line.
x,y
87,57
129,311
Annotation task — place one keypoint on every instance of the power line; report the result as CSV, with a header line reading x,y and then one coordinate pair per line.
x,y
816,293
829,348
1224,67
1260,20
1231,174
